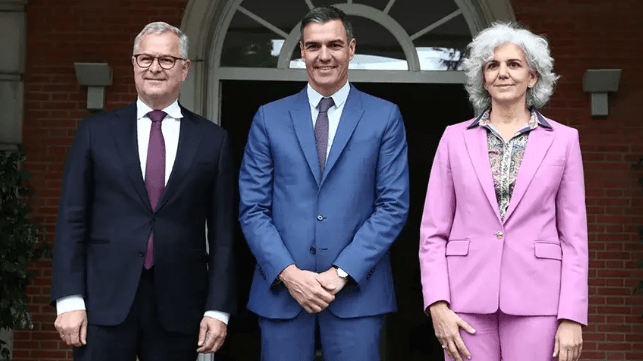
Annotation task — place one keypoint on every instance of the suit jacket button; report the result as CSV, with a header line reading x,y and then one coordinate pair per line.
x,y
320,218
141,253
499,235
313,250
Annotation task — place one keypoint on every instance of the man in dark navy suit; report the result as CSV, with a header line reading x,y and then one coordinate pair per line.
x,y
132,276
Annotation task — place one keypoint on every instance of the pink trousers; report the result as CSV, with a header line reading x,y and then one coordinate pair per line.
x,y
509,338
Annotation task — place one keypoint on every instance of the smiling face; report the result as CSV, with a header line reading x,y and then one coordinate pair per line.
x,y
158,87
326,51
507,76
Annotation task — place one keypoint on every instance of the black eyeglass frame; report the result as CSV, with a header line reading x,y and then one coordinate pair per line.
x,y
158,60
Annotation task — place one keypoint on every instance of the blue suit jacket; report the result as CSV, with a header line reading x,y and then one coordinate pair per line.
x,y
105,218
348,216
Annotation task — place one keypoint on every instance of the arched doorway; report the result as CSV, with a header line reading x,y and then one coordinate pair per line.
x,y
246,54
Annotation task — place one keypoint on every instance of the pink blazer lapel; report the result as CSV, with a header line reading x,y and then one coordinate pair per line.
x,y
476,143
540,139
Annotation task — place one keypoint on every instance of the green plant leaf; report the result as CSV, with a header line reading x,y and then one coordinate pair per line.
x,y
20,244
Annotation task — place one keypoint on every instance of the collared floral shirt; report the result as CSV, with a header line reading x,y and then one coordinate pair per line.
x,y
506,157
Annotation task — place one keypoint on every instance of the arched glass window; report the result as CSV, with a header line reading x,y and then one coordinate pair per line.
x,y
399,35
398,41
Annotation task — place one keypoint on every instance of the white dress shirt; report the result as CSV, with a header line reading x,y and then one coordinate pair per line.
x,y
334,115
170,127
334,112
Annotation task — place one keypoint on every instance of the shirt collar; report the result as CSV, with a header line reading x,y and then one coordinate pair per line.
x,y
541,121
339,97
173,110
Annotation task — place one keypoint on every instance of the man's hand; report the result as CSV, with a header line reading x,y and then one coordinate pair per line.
x,y
447,325
331,277
212,333
72,327
306,289
569,341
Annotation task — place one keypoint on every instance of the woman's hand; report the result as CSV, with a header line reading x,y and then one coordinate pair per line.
x,y
569,341
447,328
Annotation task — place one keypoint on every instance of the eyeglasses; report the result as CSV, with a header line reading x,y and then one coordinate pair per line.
x,y
166,61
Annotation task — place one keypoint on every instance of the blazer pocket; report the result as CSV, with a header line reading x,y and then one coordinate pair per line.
x,y
458,247
548,250
554,163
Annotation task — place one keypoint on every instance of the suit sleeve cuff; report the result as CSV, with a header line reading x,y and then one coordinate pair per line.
x,y
69,304
218,315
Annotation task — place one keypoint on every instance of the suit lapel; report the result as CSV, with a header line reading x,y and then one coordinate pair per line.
x,y
351,115
538,144
189,140
476,144
125,137
303,125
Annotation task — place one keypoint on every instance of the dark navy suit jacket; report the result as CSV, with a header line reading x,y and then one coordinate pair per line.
x,y
105,218
348,216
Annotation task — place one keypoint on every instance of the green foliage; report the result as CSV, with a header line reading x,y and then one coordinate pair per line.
x,y
20,244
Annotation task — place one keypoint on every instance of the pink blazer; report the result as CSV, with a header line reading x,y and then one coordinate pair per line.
x,y
533,263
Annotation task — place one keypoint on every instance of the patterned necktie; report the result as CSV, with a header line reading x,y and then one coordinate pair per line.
x,y
154,174
321,130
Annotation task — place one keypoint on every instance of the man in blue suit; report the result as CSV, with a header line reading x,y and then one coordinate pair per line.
x,y
324,191
131,276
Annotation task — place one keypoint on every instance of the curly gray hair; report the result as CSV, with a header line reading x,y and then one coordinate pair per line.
x,y
536,48
159,28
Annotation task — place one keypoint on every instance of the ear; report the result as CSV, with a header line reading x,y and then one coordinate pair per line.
x,y
351,48
186,69
533,78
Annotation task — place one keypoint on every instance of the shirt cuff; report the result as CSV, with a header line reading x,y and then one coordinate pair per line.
x,y
218,315
341,273
69,304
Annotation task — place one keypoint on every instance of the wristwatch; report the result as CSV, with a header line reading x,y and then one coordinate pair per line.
x,y
341,273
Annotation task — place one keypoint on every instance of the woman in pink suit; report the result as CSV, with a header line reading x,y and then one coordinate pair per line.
x,y
503,248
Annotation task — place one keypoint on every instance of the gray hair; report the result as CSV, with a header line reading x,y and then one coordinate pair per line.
x,y
159,28
324,14
536,51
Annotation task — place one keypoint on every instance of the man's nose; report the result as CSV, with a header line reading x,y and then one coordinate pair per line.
x,y
155,67
324,53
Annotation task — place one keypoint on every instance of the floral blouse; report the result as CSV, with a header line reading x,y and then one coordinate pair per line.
x,y
506,157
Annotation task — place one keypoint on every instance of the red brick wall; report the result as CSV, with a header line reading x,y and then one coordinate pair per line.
x,y
59,33
584,34
595,34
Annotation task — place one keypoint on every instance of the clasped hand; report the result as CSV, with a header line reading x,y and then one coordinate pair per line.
x,y
313,291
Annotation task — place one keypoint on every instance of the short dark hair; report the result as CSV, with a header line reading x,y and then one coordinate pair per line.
x,y
324,14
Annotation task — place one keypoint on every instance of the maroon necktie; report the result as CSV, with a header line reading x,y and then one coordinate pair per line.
x,y
321,130
154,174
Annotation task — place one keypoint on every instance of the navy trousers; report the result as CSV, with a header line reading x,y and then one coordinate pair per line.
x,y
139,335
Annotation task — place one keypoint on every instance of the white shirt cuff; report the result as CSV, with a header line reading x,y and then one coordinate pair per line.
x,y
341,273
218,315
70,303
